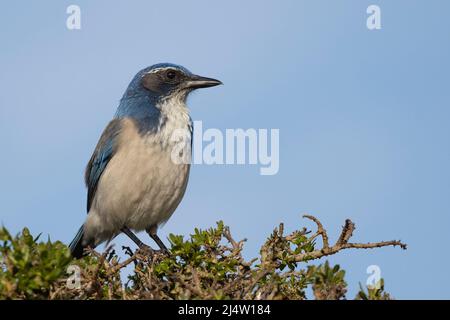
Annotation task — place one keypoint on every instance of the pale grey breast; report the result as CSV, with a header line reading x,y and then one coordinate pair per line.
x,y
143,183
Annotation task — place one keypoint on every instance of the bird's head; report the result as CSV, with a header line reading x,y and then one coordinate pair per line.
x,y
165,81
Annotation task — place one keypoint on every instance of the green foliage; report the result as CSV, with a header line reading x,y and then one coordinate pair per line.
x,y
207,265
328,283
29,268
375,292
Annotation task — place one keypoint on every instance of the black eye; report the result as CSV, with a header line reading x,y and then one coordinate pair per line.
x,y
171,74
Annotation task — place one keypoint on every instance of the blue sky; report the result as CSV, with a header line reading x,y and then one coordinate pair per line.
x,y
363,117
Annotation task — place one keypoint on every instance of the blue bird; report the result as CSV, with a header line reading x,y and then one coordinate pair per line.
x,y
139,170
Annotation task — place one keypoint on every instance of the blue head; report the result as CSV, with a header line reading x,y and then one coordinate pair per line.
x,y
160,82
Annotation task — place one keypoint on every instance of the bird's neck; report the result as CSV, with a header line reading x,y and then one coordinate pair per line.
x,y
162,116
175,123
174,111
136,107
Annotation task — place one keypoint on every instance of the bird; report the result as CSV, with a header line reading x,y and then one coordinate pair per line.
x,y
139,170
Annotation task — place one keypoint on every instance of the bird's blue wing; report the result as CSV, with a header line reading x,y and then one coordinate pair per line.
x,y
102,154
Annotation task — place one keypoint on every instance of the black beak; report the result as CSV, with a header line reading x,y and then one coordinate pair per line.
x,y
197,82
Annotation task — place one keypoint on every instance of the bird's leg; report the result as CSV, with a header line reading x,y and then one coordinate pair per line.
x,y
159,242
136,240
152,233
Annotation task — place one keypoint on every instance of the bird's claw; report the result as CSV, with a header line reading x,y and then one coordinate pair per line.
x,y
147,250
163,252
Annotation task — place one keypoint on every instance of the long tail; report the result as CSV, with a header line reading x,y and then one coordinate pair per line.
x,y
76,246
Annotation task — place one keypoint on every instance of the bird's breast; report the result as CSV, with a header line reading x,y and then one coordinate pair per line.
x,y
145,180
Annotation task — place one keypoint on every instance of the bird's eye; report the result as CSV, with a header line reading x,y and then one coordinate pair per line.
x,y
171,74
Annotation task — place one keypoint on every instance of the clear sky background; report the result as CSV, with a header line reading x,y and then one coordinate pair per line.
x,y
363,116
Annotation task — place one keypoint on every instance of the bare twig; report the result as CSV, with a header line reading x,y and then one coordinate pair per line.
x,y
347,232
227,235
341,243
119,266
127,250
320,230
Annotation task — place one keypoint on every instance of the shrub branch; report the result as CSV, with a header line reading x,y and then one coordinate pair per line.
x,y
342,242
207,265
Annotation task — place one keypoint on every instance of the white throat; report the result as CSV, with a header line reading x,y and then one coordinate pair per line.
x,y
175,122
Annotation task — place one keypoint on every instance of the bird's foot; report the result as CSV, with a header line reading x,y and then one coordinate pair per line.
x,y
147,250
163,252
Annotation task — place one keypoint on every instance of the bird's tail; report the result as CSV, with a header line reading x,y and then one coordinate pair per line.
x,y
76,246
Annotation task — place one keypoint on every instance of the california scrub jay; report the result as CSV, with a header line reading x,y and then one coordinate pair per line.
x,y
132,179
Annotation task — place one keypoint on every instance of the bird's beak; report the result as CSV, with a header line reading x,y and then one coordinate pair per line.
x,y
197,82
